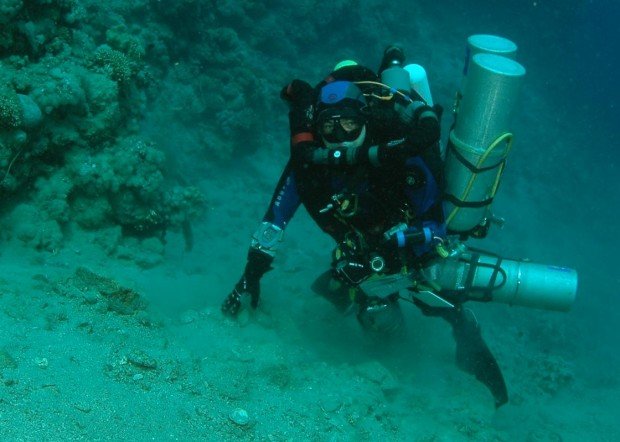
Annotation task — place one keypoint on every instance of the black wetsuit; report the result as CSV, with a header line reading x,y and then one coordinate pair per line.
x,y
402,190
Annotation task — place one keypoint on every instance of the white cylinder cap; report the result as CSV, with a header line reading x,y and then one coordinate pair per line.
x,y
492,44
419,82
416,72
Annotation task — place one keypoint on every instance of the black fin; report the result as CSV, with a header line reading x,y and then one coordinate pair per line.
x,y
473,355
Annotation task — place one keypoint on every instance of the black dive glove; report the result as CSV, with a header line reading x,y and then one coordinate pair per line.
x,y
297,92
258,264
300,96
426,126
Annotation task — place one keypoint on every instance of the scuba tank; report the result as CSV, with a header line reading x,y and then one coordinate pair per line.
x,y
472,275
478,146
486,44
397,78
480,139
410,83
419,82
407,79
479,276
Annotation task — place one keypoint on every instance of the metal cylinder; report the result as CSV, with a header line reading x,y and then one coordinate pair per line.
x,y
489,278
484,114
397,78
488,100
490,44
419,82
485,44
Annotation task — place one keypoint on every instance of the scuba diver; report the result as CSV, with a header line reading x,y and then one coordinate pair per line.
x,y
365,162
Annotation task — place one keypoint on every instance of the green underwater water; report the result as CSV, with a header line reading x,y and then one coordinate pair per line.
x,y
129,199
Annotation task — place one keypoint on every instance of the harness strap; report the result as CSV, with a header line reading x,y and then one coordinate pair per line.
x,y
475,170
468,164
460,203
462,294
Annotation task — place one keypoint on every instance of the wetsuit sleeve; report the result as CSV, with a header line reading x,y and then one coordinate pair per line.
x,y
425,138
285,199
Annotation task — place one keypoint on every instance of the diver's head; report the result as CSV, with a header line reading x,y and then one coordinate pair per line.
x,y
340,115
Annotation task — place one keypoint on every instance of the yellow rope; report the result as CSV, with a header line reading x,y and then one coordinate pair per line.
x,y
508,137
376,83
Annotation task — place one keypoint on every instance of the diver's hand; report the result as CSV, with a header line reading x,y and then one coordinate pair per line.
x,y
298,92
232,304
245,287
426,127
300,97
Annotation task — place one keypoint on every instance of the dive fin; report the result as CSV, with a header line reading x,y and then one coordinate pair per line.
x,y
473,355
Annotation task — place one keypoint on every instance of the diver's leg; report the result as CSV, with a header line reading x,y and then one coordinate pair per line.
x,y
341,295
376,315
381,316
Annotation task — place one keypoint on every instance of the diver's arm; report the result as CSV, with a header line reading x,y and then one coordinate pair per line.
x,y
424,135
285,199
300,97
425,129
284,203
264,243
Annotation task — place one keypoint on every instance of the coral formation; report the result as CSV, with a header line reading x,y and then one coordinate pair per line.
x,y
116,64
73,90
11,113
81,81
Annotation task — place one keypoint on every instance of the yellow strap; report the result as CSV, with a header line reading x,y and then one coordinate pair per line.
x,y
391,89
508,137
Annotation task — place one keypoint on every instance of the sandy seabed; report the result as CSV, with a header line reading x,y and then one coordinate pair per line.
x,y
95,348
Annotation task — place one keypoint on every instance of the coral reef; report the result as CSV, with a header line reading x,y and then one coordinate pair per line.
x,y
125,185
73,91
11,113
103,105
116,64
